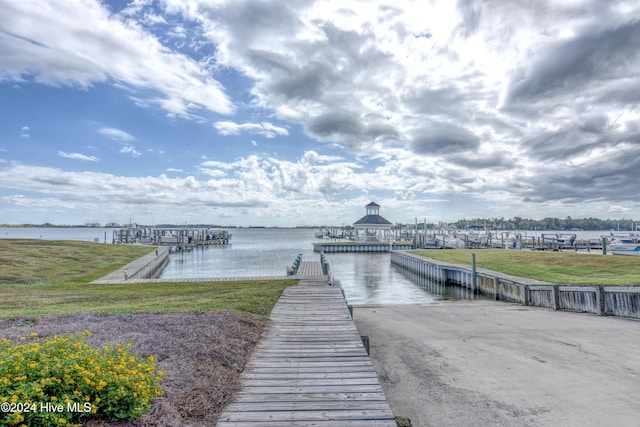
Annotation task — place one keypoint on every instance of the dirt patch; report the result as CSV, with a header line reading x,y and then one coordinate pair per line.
x,y
201,354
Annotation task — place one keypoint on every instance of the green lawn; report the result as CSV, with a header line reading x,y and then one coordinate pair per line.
x,y
254,299
554,267
52,277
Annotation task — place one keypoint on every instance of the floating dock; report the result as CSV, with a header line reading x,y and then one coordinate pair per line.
x,y
353,247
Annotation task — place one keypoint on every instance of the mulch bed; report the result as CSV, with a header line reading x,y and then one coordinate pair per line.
x,y
201,354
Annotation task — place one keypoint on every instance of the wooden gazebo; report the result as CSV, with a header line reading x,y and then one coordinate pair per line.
x,y
372,227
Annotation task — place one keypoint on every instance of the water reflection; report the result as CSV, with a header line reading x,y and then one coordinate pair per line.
x,y
371,279
446,292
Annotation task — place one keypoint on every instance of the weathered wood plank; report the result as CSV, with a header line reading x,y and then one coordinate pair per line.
x,y
329,415
311,361
319,374
311,406
276,364
268,399
304,382
307,423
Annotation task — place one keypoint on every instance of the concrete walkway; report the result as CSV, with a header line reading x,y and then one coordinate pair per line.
x,y
153,260
486,363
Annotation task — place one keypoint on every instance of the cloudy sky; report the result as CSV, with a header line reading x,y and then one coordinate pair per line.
x,y
300,112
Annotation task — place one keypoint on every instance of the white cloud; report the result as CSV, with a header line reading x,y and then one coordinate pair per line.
x,y
25,132
619,209
116,134
266,129
130,149
78,156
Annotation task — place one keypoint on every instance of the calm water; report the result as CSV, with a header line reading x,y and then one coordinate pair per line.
x,y
365,278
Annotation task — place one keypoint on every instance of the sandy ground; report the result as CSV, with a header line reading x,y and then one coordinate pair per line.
x,y
486,363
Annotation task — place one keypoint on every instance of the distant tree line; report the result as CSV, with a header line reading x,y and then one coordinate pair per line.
x,y
567,224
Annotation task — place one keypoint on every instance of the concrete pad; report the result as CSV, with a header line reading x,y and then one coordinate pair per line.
x,y
486,363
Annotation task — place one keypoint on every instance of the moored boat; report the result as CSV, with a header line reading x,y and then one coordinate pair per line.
x,y
625,246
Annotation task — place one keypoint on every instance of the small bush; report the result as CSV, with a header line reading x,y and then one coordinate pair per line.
x,y
63,381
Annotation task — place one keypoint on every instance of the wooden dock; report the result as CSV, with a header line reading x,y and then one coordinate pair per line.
x,y
312,368
309,268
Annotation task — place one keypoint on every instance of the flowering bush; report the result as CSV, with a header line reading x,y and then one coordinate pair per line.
x,y
63,381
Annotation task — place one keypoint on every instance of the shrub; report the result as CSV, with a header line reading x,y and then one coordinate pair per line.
x,y
63,381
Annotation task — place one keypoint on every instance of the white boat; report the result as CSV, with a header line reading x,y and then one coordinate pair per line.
x,y
625,246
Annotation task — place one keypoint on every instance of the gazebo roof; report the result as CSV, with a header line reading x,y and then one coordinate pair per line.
x,y
372,220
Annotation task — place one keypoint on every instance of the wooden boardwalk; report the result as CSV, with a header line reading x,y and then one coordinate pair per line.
x,y
311,369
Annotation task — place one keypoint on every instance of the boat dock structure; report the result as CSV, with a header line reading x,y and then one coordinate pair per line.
x,y
183,238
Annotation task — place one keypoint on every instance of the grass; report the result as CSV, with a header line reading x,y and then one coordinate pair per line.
x,y
52,278
254,299
32,261
555,267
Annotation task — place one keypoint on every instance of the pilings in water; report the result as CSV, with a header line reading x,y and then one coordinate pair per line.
x,y
293,269
622,301
181,237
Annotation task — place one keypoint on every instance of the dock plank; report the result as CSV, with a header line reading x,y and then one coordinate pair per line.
x,y
311,369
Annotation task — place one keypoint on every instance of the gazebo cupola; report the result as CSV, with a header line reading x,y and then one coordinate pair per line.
x,y
372,227
373,209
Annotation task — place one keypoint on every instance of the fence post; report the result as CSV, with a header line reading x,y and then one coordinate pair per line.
x,y
555,294
496,290
600,300
525,295
474,273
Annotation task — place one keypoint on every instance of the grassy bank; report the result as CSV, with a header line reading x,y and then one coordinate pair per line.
x,y
56,261
52,277
554,267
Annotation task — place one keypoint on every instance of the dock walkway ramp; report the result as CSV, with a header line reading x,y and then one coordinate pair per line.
x,y
311,369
